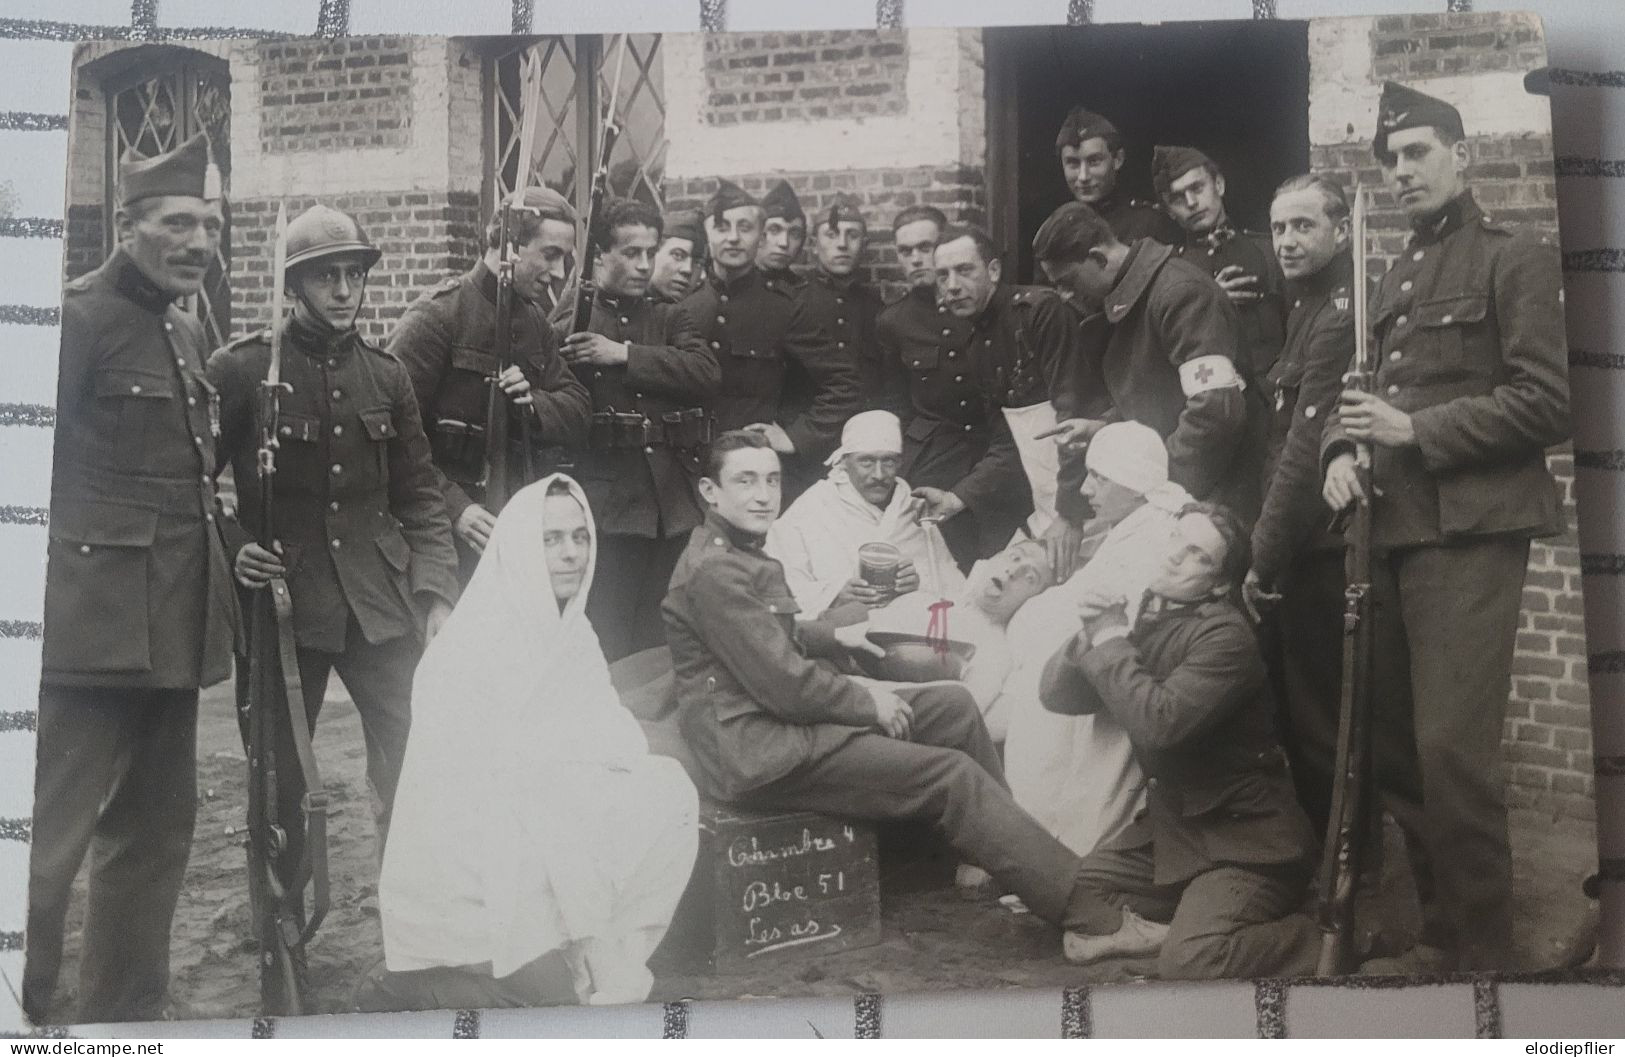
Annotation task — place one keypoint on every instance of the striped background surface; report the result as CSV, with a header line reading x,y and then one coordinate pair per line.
x,y
1587,47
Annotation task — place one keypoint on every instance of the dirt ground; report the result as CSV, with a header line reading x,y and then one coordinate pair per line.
x,y
933,939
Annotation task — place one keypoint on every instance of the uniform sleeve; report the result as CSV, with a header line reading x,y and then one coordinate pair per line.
x,y
238,391
422,344
1064,688
836,394
77,358
684,368
1292,501
415,498
1220,669
562,404
1194,319
1529,410
892,393
748,640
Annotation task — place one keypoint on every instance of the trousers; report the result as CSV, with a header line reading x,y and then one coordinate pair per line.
x,y
116,777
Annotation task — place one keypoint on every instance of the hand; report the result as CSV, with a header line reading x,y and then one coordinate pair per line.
x,y
939,503
1342,485
908,578
439,610
777,438
1063,540
894,717
1238,285
516,385
1365,417
1099,610
1073,434
256,566
859,591
855,638
1256,597
585,348
474,526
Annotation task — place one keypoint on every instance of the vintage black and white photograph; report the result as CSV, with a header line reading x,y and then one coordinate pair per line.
x,y
602,519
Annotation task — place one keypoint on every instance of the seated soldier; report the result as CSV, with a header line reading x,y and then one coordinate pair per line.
x,y
1210,876
861,501
770,727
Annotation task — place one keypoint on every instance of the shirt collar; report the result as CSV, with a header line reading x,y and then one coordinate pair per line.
x,y
1456,214
721,526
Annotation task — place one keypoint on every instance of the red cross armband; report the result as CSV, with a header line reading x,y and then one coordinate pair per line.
x,y
1202,373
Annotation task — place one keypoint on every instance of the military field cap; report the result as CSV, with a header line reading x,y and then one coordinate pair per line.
x,y
846,208
1170,163
782,202
182,171
685,224
729,195
1403,108
322,231
1081,125
546,201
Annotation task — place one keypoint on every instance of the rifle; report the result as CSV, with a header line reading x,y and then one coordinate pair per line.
x,y
273,722
1346,825
581,311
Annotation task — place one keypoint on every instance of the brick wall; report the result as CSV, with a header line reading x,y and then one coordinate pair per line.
x,y
425,237
810,76
326,95
1547,737
959,191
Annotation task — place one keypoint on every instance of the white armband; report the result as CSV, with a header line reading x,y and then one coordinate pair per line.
x,y
1202,373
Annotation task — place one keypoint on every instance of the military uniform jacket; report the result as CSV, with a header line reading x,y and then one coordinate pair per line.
x,y
1132,219
647,491
359,511
1162,313
1304,383
138,592
1260,325
447,341
848,310
955,435
912,327
754,702
1189,687
1469,331
756,328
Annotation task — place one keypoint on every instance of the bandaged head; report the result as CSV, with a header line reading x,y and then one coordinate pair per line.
x,y
874,432
1129,454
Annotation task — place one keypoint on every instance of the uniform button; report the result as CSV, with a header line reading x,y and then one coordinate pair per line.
x,y
338,468
723,298
637,396
1298,303
84,548
338,394
1402,320
840,300
198,441
1406,285
959,378
1393,390
191,401
286,431
722,319
946,331
840,344
648,450
716,345
180,361
334,507
916,363
168,325
840,321
1310,411
209,518
135,390
1418,255
952,355
600,374
1447,318
207,479
1210,252
332,363
625,320
987,341
967,427
336,544
964,403
1396,355
1151,783
338,431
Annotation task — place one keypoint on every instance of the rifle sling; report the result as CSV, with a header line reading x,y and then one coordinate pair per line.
x,y
315,800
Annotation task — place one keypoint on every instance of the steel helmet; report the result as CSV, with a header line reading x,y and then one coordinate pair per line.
x,y
322,231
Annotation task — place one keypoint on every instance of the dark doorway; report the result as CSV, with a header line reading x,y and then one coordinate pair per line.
x,y
1237,90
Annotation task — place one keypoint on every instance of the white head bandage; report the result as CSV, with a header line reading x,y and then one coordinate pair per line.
x,y
1130,454
871,431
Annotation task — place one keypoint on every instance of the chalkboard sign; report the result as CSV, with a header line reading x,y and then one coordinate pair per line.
x,y
786,886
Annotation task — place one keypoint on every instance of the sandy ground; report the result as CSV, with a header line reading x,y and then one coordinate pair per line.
x,y
933,940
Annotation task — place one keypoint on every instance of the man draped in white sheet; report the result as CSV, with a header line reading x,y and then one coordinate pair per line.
x,y
1077,774
860,501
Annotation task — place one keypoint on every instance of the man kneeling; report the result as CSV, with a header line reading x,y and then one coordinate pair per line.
x,y
770,727
1222,852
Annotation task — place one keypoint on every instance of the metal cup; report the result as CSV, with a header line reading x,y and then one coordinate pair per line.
x,y
877,565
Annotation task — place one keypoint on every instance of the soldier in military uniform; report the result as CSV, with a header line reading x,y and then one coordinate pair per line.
x,y
958,451
650,374
1471,389
1091,153
139,609
845,305
758,329
362,535
1242,262
1168,357
447,341
784,236
680,260
916,319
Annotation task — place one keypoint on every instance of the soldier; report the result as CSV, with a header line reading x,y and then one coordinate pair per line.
x,y
447,340
1242,262
1168,357
757,330
845,305
784,235
1091,153
680,260
139,609
361,531
1297,562
1471,388
957,448
916,322
650,374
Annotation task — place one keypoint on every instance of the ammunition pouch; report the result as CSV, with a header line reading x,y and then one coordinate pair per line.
x,y
459,449
687,430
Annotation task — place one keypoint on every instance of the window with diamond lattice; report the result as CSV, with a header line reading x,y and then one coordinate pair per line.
x,y
155,109
569,82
